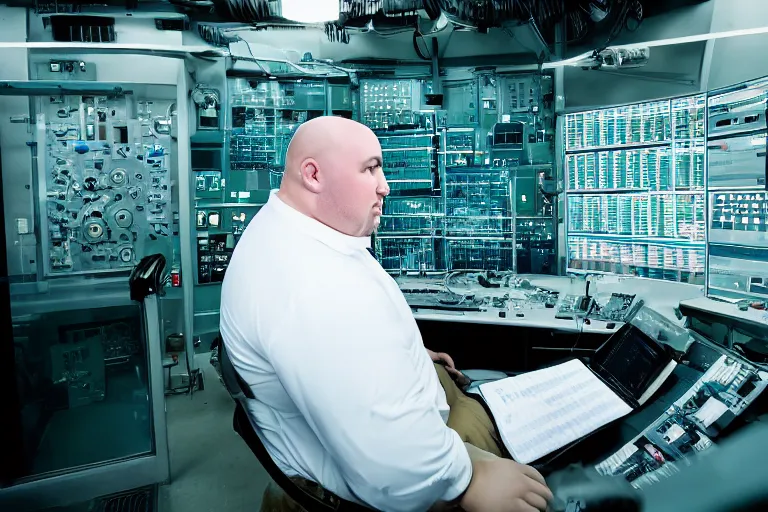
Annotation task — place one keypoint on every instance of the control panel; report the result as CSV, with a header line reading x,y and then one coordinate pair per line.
x,y
689,426
104,180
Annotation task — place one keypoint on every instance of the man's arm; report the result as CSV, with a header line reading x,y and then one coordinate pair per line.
x,y
475,455
353,378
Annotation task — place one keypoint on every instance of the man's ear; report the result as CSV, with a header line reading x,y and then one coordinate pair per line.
x,y
310,174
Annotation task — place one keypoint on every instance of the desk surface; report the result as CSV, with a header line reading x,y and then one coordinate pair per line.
x,y
717,307
541,318
662,296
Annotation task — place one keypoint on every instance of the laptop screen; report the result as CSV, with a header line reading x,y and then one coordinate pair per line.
x,y
631,361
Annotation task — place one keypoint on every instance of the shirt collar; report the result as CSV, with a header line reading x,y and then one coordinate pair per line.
x,y
335,239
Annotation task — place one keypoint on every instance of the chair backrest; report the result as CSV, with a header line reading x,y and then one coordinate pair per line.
x,y
237,388
240,392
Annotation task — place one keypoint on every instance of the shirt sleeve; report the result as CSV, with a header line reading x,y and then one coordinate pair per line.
x,y
361,392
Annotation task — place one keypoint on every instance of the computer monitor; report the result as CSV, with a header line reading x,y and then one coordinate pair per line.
x,y
630,361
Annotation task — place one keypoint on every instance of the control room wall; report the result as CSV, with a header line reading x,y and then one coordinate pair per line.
x,y
122,68
16,156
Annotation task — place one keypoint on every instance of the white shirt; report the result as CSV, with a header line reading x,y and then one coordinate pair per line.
x,y
346,394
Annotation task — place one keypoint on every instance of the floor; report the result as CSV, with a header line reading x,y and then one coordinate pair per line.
x,y
212,469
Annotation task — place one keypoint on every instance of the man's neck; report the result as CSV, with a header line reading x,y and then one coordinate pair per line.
x,y
299,206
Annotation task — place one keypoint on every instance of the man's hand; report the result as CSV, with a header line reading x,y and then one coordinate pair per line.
x,y
502,485
450,367
438,357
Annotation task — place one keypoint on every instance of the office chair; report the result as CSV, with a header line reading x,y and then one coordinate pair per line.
x,y
240,391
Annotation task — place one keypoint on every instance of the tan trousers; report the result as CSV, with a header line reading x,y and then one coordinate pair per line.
x,y
467,417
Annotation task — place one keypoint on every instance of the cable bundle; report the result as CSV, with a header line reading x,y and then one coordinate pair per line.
x,y
336,33
360,8
368,8
204,5
401,6
496,12
544,13
247,11
481,13
214,35
148,277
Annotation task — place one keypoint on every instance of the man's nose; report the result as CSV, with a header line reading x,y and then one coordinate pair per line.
x,y
383,188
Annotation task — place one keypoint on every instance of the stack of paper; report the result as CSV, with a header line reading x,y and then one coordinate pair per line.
x,y
539,412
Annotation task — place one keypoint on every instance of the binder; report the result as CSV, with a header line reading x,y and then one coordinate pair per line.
x,y
543,413
633,365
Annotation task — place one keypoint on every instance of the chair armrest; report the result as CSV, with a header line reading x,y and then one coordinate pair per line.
x,y
486,375
479,377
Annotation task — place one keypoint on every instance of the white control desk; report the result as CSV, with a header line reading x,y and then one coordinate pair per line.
x,y
664,297
540,318
728,310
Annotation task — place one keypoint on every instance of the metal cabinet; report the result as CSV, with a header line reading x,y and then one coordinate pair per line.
x,y
737,192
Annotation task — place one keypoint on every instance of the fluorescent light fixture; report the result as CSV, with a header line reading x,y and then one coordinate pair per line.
x,y
577,61
310,11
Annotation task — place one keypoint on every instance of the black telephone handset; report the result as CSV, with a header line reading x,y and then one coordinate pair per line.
x,y
584,305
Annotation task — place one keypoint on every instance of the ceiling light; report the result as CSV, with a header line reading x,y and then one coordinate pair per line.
x,y
710,36
310,11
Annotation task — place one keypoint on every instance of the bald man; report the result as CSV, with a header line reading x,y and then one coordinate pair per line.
x,y
346,394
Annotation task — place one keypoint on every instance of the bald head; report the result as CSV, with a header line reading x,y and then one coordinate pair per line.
x,y
333,173
322,135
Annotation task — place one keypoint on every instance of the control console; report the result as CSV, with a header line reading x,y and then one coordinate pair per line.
x,y
577,489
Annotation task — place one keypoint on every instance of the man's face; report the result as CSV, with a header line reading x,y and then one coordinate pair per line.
x,y
355,191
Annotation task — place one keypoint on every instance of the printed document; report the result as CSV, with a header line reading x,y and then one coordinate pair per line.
x,y
539,412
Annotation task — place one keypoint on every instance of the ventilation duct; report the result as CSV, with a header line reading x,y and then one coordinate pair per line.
x,y
83,29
